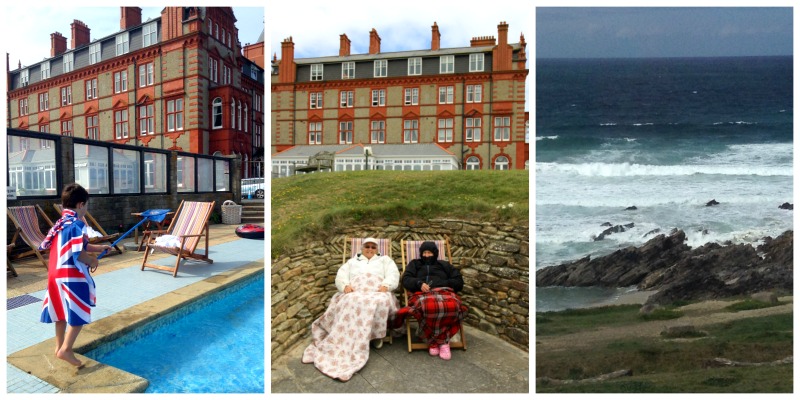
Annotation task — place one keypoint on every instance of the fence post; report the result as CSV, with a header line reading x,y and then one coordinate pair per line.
x,y
235,170
67,166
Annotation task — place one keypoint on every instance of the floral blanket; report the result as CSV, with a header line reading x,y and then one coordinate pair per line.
x,y
341,335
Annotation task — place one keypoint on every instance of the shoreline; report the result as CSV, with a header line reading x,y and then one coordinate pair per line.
x,y
635,297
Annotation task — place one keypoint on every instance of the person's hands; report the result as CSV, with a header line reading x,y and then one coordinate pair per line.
x,y
348,289
425,287
93,262
383,289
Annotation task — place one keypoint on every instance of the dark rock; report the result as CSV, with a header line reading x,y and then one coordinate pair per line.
x,y
613,229
606,224
786,206
631,208
712,203
653,232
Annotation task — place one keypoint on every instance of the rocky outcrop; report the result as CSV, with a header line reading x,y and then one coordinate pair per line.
x,y
677,272
786,206
613,229
713,202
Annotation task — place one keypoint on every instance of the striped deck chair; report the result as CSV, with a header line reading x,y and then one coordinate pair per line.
x,y
352,246
410,251
26,221
90,221
10,268
189,225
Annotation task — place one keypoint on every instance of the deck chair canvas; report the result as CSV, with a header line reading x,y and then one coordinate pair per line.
x,y
96,226
189,225
410,251
352,246
26,221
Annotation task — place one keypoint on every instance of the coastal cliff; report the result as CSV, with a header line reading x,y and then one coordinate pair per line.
x,y
678,272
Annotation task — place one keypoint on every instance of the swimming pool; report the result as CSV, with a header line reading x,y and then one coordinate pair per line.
x,y
215,345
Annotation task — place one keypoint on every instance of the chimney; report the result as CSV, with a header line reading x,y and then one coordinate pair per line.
x,y
80,34
287,70
482,41
435,36
502,53
502,33
344,45
58,44
130,17
374,42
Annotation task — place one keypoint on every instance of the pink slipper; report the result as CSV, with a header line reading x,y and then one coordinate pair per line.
x,y
433,349
444,352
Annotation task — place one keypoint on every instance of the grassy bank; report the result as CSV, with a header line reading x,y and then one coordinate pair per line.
x,y
661,364
307,206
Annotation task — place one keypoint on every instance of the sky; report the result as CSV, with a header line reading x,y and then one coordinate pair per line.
x,y
406,25
663,32
30,26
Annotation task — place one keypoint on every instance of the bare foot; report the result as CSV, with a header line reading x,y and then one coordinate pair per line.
x,y
69,357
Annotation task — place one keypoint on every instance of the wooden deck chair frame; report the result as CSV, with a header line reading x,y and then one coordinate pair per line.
x,y
10,268
32,236
354,246
189,229
96,226
409,250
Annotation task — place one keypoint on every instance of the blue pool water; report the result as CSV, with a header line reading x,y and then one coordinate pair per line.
x,y
213,346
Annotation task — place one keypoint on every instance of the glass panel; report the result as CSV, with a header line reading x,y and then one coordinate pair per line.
x,y
91,168
32,168
221,175
205,171
126,170
186,174
155,173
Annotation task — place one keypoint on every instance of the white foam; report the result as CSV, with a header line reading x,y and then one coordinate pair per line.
x,y
628,169
538,138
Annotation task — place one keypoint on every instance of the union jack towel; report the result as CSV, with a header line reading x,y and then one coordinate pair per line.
x,y
70,287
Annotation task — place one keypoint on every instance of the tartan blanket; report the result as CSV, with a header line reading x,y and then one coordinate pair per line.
x,y
438,312
341,336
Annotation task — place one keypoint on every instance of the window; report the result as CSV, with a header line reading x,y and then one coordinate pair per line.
x,y
23,106
174,115
446,64
210,27
239,114
474,93
315,100
185,166
412,97
316,72
229,40
66,95
91,89
233,114
149,34
245,118
122,43
377,132
66,128
315,133
379,98
348,70
502,129
94,53
415,66
146,74
23,77
216,30
44,101
346,98
446,95
476,62
91,128
501,163
216,113
257,134
473,129
473,163
146,119
254,74
445,130
411,131
223,36
121,124
120,81
229,75
45,67
346,132
257,102
69,62
212,70
379,68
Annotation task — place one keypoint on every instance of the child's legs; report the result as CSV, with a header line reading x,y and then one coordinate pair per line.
x,y
61,327
65,351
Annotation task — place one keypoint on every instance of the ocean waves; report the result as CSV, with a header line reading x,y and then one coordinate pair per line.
x,y
597,169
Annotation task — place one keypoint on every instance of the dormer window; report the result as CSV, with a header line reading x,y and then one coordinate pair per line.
x,y
122,43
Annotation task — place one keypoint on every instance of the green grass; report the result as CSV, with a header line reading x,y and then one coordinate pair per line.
x,y
577,320
307,206
749,304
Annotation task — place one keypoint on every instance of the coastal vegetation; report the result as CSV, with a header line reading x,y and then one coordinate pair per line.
x,y
305,206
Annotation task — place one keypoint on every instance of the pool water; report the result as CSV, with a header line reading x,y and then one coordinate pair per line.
x,y
215,345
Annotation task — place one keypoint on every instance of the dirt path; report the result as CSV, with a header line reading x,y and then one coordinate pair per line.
x,y
699,314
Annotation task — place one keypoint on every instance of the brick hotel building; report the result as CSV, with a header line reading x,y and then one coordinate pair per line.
x,y
181,81
465,102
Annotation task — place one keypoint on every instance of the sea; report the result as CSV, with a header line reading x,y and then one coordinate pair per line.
x,y
664,136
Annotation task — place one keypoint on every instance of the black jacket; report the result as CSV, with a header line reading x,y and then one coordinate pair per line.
x,y
439,274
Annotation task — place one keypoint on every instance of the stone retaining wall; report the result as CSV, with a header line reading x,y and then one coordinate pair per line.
x,y
492,257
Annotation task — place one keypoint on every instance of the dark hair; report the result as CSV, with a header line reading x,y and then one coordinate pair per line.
x,y
72,195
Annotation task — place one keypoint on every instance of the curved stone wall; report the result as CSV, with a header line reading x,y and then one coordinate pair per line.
x,y
492,257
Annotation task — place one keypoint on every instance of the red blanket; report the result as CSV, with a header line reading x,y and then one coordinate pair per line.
x,y
439,313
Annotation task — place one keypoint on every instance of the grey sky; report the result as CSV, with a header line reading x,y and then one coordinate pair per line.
x,y
663,32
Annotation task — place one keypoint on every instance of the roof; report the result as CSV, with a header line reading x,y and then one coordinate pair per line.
x,y
401,54
378,150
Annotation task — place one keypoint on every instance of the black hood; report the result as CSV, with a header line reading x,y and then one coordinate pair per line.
x,y
431,246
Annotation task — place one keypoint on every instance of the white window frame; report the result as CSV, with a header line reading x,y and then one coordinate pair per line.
x,y
44,101
66,95
473,129
317,72
315,100
91,89
216,110
149,34
445,130
23,106
446,94
44,68
121,81
476,62
377,131
473,163
146,74
502,163
502,129
415,66
24,77
345,132
348,70
380,68
411,97
121,123
346,99
315,133
174,115
123,43
379,97
93,127
411,131
446,64
474,93
69,62
95,56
